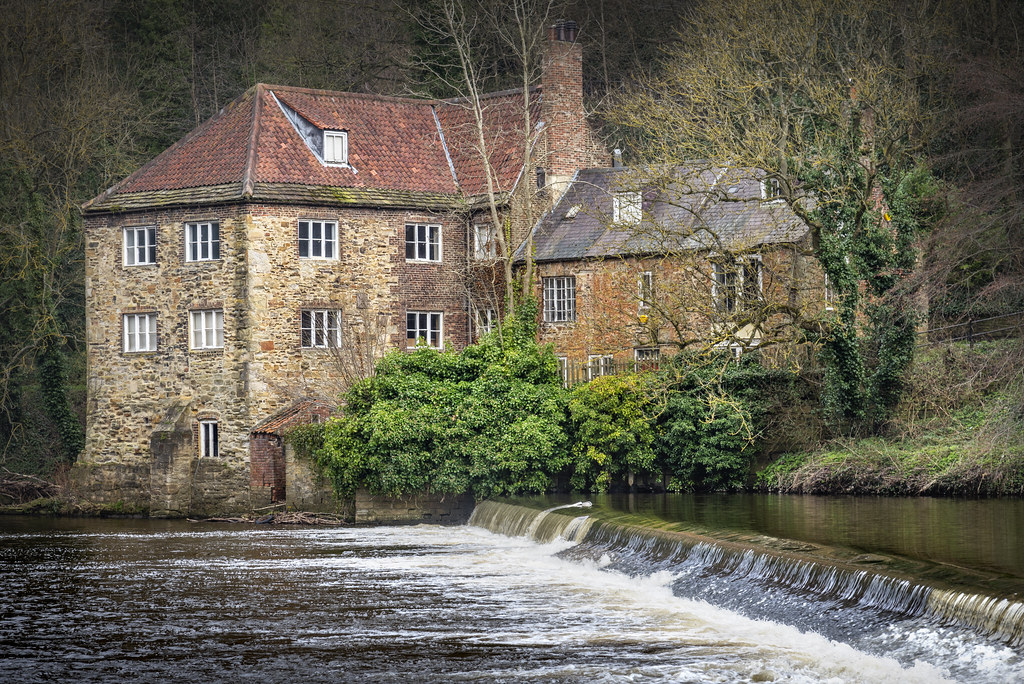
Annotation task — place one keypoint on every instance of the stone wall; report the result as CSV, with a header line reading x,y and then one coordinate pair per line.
x,y
261,285
130,392
307,491
415,508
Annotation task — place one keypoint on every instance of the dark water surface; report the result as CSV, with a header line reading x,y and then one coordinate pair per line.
x,y
140,600
985,535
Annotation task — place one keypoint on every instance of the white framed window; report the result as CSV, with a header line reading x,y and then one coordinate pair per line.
x,y
647,358
422,242
644,290
771,189
598,365
140,332
206,329
318,239
724,286
426,326
209,439
736,282
627,207
486,321
320,328
336,147
202,241
140,245
559,299
485,241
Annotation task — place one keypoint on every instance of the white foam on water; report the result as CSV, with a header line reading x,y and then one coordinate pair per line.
x,y
550,601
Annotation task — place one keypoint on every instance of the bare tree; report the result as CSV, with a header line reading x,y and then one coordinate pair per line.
x,y
821,100
460,29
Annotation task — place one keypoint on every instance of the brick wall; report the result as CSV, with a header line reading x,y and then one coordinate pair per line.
x,y
609,319
266,465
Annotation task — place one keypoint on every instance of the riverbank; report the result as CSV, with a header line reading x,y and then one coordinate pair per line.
x,y
958,432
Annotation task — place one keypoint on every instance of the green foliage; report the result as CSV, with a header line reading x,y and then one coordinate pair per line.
x,y
612,432
713,416
869,345
489,420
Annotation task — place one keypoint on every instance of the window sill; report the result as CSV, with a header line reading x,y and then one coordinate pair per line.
x,y
422,261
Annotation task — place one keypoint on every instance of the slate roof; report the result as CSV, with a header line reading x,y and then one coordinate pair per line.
x,y
401,152
685,208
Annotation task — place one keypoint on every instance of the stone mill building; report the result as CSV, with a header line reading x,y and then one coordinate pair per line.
x,y
221,275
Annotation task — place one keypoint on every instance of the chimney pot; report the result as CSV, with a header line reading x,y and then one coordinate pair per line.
x,y
564,31
617,158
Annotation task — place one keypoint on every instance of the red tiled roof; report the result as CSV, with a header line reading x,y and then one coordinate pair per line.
x,y
298,412
394,144
503,126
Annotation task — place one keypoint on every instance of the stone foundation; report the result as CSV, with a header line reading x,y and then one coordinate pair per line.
x,y
416,508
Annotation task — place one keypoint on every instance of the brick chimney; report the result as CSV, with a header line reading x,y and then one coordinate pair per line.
x,y
566,140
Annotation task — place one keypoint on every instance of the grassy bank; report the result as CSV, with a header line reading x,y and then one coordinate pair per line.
x,y
960,431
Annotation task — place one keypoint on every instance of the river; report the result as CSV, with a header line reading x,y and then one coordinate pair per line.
x,y
723,589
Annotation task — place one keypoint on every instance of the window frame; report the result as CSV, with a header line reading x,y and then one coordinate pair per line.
x,y
432,248
627,207
735,280
829,293
150,336
330,327
196,245
605,365
652,358
323,242
150,247
489,249
563,369
771,189
644,291
428,332
558,298
745,291
486,320
339,135
209,430
217,330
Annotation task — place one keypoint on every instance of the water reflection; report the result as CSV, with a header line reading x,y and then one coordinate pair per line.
x,y
985,535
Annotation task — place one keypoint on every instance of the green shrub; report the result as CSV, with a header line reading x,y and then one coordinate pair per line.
x,y
612,434
489,420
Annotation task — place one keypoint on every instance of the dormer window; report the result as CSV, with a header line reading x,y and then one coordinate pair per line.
x,y
336,147
627,207
771,189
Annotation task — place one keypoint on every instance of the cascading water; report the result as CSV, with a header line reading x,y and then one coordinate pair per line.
x,y
870,610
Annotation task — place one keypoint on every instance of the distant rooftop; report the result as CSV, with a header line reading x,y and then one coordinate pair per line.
x,y
687,208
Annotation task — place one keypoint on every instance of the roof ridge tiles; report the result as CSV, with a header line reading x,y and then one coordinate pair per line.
x,y
248,180
348,94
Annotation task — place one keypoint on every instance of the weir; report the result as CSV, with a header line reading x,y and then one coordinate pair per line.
x,y
840,599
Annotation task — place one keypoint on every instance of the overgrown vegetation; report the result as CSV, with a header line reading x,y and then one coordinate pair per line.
x,y
958,431
495,420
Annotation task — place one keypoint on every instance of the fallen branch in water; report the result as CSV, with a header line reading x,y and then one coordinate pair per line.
x,y
296,518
